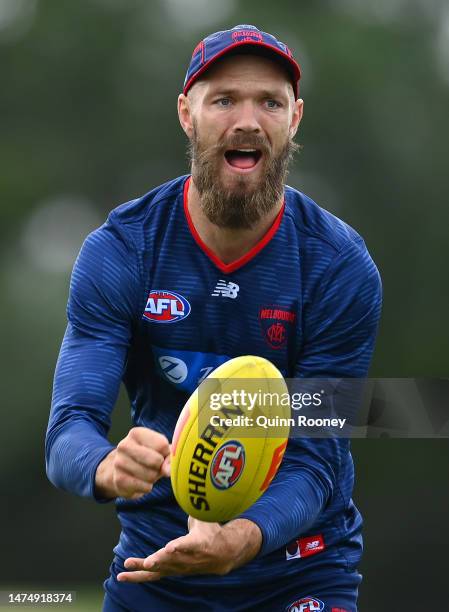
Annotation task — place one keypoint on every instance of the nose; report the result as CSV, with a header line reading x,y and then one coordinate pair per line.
x,y
247,120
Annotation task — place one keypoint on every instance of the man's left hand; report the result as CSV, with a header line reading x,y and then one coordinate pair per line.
x,y
208,548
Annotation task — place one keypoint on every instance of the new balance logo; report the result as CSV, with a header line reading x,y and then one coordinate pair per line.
x,y
313,545
225,289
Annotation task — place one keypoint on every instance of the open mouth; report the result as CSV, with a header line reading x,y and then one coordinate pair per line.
x,y
243,159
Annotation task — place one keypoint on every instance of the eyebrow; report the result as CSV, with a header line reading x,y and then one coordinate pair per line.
x,y
263,93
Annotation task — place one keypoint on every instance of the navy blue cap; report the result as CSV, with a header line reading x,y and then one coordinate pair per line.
x,y
245,39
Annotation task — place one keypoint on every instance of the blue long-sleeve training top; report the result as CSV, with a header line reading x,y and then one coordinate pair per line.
x,y
151,306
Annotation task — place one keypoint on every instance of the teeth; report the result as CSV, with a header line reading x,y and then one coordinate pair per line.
x,y
247,150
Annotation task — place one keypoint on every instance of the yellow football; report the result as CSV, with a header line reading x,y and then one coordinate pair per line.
x,y
230,439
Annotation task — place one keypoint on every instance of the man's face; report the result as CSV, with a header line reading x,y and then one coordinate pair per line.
x,y
242,118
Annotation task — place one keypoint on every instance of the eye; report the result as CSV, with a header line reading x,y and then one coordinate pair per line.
x,y
223,102
273,104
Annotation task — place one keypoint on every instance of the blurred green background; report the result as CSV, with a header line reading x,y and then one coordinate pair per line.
x,y
88,120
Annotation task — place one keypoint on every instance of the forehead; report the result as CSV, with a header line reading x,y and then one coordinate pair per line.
x,y
244,70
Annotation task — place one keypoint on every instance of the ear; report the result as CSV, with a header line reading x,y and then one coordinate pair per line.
x,y
185,115
297,116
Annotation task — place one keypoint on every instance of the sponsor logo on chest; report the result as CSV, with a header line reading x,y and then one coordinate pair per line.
x,y
174,369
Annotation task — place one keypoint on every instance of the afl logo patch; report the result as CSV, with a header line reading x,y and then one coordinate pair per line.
x,y
228,464
165,307
306,604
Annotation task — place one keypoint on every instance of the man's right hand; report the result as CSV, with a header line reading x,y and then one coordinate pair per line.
x,y
131,469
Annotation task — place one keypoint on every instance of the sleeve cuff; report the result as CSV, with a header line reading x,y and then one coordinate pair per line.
x,y
102,453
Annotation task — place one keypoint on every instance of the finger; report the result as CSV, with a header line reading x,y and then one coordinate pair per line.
x,y
129,467
156,561
139,576
166,467
180,564
166,559
128,486
130,450
134,563
162,560
151,439
137,495
184,544
174,566
191,523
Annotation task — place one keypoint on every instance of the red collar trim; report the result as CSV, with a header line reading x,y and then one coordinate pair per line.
x,y
238,263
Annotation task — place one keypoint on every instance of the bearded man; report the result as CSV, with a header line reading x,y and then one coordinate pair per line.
x,y
224,262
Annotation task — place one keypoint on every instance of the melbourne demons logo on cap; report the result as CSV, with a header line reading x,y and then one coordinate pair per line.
x,y
165,307
306,604
275,322
248,34
228,464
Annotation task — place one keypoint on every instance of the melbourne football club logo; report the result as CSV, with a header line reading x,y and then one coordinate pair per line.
x,y
306,604
275,322
228,464
165,307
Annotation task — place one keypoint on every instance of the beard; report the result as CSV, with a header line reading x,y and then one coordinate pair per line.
x,y
244,204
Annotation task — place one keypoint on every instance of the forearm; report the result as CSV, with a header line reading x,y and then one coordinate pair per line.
x,y
300,491
73,454
103,304
289,507
244,538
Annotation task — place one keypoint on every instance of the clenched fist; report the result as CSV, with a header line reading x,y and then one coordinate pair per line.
x,y
131,469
